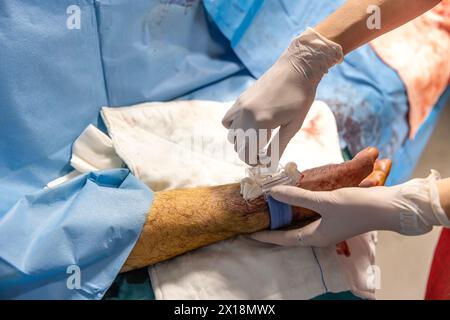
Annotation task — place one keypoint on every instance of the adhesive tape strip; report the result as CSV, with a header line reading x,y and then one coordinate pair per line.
x,y
280,213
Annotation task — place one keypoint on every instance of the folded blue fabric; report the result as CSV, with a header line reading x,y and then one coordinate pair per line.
x,y
71,242
55,79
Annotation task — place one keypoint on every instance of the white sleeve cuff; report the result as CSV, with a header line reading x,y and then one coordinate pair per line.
x,y
438,211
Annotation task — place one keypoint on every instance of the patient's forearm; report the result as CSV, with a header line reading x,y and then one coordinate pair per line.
x,y
184,220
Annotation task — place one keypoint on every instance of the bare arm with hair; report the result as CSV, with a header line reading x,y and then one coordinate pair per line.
x,y
186,219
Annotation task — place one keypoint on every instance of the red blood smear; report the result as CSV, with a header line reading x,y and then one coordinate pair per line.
x,y
342,248
311,128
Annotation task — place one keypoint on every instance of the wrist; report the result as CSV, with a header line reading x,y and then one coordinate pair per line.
x,y
330,47
313,54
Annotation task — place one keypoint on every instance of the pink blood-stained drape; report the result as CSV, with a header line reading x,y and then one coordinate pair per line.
x,y
420,52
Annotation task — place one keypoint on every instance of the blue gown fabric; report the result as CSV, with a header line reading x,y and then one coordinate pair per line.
x,y
48,232
55,79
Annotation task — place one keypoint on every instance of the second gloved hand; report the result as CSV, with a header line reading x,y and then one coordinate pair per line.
x,y
283,95
412,208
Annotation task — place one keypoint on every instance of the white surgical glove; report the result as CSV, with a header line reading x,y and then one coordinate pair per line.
x,y
283,95
412,208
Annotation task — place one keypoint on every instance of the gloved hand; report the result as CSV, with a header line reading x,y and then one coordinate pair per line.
x,y
412,208
283,95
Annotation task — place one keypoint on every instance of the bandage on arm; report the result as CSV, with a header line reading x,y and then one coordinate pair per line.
x,y
186,219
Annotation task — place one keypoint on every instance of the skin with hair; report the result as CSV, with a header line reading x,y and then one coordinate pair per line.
x,y
186,219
